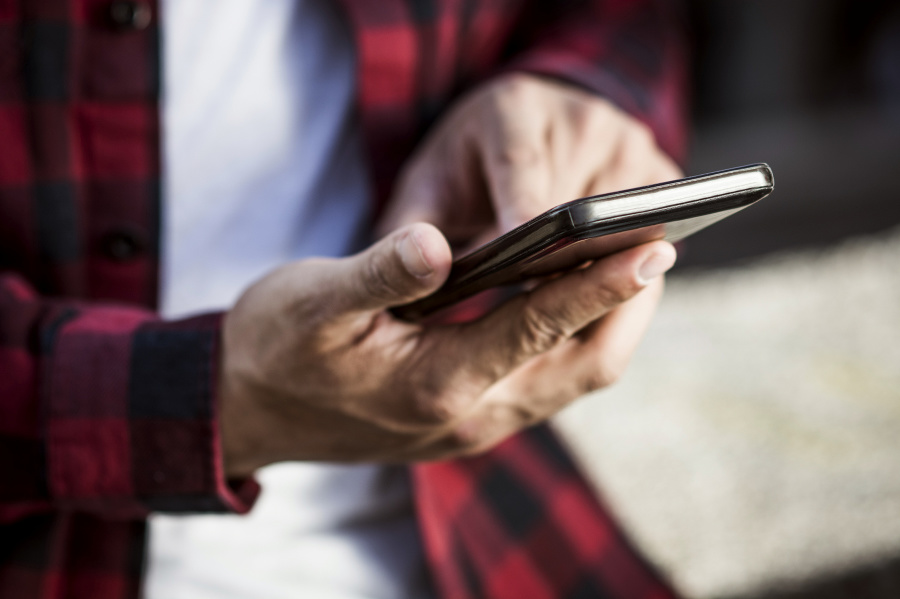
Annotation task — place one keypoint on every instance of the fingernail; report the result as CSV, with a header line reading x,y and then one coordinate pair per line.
x,y
655,265
413,257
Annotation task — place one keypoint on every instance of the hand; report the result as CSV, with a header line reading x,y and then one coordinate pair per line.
x,y
314,368
515,148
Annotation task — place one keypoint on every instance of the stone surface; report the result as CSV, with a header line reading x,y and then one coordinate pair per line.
x,y
754,445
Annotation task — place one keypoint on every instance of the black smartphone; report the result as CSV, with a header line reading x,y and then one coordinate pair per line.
x,y
587,229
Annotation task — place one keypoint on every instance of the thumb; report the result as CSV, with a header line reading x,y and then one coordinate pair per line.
x,y
404,266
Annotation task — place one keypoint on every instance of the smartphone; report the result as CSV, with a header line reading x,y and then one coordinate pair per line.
x,y
575,233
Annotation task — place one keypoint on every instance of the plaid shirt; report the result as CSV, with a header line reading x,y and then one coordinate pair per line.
x,y
108,413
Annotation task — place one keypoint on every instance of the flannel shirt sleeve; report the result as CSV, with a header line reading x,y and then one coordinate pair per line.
x,y
107,409
632,52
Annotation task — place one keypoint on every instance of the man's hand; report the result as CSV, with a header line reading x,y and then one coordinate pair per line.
x,y
515,148
314,368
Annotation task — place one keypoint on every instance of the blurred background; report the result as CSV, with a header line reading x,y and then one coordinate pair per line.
x,y
753,448
813,88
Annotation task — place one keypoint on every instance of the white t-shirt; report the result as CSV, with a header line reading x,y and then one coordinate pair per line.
x,y
262,165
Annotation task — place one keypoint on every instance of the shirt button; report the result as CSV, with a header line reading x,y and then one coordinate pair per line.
x,y
121,246
134,16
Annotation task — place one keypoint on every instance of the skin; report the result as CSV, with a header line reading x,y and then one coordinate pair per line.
x,y
315,368
515,148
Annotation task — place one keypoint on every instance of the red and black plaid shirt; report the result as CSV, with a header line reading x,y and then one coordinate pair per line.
x,y
108,413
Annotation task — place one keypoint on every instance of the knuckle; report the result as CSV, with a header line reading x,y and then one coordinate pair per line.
x,y
600,377
595,119
490,427
613,295
465,439
606,371
610,371
640,136
438,409
540,331
519,154
376,280
517,87
587,107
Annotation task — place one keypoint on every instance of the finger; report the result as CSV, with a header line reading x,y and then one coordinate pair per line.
x,y
518,167
659,168
583,146
442,184
667,169
637,161
593,359
549,383
542,319
416,199
405,266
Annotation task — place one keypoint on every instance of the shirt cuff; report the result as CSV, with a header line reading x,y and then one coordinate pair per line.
x,y
131,414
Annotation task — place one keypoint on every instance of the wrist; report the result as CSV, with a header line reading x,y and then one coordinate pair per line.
x,y
239,431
